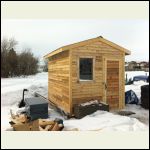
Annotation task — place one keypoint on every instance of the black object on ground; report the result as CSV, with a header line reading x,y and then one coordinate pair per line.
x,y
59,121
125,113
148,79
81,111
22,102
36,108
129,82
145,96
131,98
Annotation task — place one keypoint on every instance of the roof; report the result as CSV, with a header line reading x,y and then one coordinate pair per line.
x,y
89,41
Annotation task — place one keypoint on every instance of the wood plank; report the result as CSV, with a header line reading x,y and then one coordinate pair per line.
x,y
65,75
58,80
113,81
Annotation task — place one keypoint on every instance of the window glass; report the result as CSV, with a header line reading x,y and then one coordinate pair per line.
x,y
86,69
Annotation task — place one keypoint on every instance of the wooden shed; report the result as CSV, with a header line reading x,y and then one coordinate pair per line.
x,y
88,70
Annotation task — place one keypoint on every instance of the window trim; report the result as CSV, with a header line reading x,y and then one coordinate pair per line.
x,y
78,70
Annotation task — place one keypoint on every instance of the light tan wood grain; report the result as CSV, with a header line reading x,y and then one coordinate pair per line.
x,y
65,88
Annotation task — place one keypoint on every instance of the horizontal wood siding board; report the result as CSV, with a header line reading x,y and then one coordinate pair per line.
x,y
88,90
58,78
66,81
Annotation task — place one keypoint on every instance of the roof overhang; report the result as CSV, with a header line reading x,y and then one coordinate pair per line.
x,y
82,43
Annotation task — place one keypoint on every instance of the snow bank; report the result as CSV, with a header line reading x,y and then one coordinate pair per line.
x,y
140,113
19,83
102,120
11,88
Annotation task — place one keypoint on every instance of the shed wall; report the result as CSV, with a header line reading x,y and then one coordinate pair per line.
x,y
58,80
83,91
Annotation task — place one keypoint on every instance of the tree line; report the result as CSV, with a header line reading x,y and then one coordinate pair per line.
x,y
16,64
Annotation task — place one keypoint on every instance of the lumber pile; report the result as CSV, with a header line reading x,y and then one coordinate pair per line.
x,y
22,123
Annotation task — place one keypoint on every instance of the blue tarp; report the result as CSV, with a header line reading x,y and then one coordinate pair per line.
x,y
138,78
131,98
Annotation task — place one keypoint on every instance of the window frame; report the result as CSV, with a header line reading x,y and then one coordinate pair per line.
x,y
78,70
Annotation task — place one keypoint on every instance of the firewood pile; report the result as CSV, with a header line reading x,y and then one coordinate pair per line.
x,y
22,123
87,108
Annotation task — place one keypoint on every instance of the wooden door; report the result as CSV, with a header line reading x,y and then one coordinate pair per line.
x,y
112,83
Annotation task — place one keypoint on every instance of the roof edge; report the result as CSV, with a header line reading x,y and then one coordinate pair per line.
x,y
53,53
82,43
127,52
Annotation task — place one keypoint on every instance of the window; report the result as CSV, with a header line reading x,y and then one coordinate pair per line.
x,y
86,68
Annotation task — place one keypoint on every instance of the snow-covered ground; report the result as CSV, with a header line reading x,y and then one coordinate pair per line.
x,y
131,74
136,86
11,94
102,120
11,88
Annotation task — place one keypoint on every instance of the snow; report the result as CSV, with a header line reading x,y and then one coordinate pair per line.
x,y
11,88
136,87
92,102
131,74
11,94
102,120
140,113
89,103
17,83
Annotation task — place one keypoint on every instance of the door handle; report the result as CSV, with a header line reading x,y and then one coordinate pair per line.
x,y
105,85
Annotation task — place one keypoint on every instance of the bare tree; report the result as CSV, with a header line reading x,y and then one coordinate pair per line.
x,y
6,46
14,64
28,64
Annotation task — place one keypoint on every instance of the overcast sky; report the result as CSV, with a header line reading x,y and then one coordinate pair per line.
x,y
44,36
